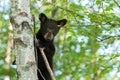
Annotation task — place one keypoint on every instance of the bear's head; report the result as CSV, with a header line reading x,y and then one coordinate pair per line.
x,y
49,27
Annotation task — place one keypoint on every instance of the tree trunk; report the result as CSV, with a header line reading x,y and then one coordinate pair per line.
x,y
23,40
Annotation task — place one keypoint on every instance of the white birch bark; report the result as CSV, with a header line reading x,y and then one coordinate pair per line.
x,y
23,39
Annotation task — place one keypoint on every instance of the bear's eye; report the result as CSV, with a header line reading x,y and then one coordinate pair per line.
x,y
55,31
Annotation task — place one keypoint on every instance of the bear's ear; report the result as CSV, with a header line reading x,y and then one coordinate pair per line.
x,y
61,23
42,17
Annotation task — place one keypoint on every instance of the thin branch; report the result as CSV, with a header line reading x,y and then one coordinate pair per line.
x,y
116,3
47,64
68,10
75,14
100,40
95,77
72,12
40,73
8,54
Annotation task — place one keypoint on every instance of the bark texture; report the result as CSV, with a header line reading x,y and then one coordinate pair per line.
x,y
23,39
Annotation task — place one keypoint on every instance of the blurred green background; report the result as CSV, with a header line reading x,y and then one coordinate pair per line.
x,y
87,48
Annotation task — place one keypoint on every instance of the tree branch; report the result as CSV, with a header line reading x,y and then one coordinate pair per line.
x,y
100,40
116,3
8,53
47,64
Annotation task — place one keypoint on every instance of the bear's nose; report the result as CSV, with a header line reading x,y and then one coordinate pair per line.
x,y
49,36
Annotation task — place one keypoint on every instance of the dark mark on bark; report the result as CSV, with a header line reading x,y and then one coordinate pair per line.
x,y
18,74
19,41
15,25
30,63
23,14
25,24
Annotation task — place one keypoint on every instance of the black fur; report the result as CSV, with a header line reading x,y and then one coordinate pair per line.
x,y
45,36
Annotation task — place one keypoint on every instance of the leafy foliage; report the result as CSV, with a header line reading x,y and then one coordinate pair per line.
x,y
87,48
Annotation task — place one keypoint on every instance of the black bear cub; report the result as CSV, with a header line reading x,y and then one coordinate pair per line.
x,y
45,36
